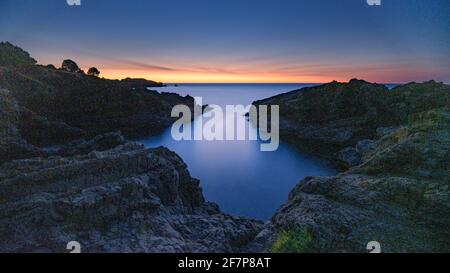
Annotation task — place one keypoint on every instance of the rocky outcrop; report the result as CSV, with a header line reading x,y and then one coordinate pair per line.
x,y
9,120
396,187
99,143
40,131
108,194
114,196
326,119
126,199
75,104
140,84
12,146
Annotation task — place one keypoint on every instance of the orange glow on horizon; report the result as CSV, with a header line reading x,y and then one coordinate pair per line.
x,y
203,71
193,77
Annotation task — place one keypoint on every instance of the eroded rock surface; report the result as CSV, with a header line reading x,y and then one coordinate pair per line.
x,y
12,146
127,199
396,187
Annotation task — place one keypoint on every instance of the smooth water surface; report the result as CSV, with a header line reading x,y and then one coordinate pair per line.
x,y
235,174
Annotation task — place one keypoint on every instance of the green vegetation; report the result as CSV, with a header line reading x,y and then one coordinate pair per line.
x,y
70,66
93,71
293,240
11,55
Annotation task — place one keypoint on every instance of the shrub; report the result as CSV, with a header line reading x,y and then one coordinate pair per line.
x,y
70,66
293,240
93,71
11,55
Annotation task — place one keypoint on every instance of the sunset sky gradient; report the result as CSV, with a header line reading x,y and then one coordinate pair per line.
x,y
238,40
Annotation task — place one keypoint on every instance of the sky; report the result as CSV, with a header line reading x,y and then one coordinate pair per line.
x,y
291,41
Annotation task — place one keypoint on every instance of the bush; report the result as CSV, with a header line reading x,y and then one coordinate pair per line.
x,y
293,240
93,71
11,55
70,66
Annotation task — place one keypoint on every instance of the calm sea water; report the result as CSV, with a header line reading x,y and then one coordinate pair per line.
x,y
235,174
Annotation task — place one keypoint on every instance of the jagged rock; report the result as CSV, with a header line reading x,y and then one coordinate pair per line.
x,y
365,146
384,131
13,150
345,212
397,192
39,131
127,199
353,156
350,157
12,146
9,113
328,118
99,143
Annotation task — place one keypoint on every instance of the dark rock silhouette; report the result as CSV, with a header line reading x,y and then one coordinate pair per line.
x,y
396,144
85,104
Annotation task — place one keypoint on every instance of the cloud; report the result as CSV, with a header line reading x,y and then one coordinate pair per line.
x,y
144,65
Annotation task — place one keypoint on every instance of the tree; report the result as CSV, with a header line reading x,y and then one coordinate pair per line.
x,y
93,71
70,66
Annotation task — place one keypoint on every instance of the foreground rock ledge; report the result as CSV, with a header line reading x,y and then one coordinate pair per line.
x,y
127,199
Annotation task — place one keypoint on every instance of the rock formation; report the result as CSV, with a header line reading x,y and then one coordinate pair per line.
x,y
126,199
108,194
77,105
12,146
112,195
396,187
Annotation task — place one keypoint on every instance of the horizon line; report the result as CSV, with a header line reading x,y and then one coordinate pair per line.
x,y
172,83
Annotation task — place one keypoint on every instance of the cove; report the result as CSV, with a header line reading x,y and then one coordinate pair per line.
x,y
236,174
232,126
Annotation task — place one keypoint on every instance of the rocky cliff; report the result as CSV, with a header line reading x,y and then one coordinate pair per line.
x,y
394,146
108,194
124,199
57,106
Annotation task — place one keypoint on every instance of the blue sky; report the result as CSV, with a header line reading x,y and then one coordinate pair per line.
x,y
238,40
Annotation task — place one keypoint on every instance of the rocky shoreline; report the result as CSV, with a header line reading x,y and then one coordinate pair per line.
x,y
393,147
109,194
113,195
124,199
56,106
